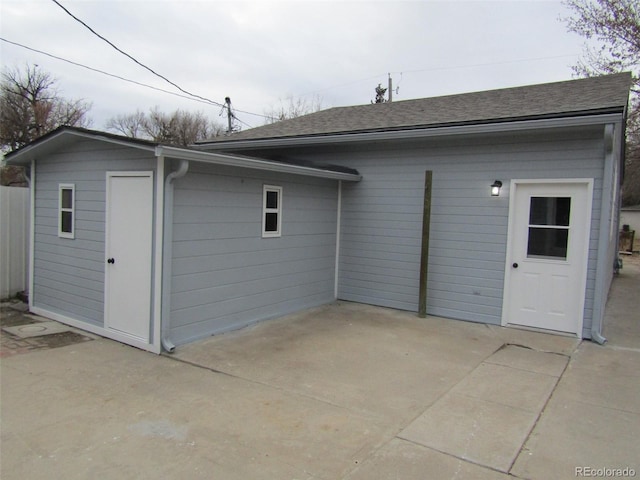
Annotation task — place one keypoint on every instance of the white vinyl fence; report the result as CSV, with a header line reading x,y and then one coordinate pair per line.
x,y
14,240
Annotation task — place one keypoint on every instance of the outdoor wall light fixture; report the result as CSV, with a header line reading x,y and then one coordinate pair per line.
x,y
495,188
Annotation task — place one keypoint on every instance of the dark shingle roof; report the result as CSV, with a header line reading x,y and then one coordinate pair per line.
x,y
607,93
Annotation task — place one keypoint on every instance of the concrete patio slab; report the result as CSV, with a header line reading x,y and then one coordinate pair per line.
x,y
508,386
612,382
487,416
346,391
143,410
480,431
572,434
538,341
530,360
376,361
409,461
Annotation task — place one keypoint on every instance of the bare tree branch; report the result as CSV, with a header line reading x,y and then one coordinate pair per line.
x,y
30,106
615,25
292,108
178,128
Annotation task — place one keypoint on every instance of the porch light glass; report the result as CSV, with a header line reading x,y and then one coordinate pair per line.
x,y
495,188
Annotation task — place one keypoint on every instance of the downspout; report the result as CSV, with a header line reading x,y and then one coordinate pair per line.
x,y
180,172
338,233
32,222
603,265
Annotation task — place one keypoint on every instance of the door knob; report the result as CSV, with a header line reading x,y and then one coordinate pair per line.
x,y
515,265
111,260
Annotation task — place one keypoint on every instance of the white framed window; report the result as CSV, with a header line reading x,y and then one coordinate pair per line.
x,y
271,211
66,210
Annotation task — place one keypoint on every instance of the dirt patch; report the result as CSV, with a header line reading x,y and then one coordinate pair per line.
x,y
13,314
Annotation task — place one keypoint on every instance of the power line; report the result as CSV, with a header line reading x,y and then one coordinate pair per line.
x,y
126,79
101,71
132,58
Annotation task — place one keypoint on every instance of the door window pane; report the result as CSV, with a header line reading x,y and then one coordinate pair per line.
x,y
548,242
550,211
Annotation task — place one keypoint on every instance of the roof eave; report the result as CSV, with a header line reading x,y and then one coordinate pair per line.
x,y
40,147
253,163
600,118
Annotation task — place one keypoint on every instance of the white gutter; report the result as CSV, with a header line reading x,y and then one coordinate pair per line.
x,y
417,133
247,162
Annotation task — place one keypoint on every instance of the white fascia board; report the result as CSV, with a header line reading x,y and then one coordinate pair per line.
x,y
417,133
26,154
254,163
105,138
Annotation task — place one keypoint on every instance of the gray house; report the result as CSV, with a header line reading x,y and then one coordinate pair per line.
x,y
498,207
155,246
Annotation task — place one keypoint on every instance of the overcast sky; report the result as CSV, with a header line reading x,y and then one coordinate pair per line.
x,y
258,53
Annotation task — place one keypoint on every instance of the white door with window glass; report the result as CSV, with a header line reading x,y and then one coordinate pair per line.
x,y
129,223
546,271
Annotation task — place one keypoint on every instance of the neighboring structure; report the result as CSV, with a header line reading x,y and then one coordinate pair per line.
x,y
14,240
630,226
155,245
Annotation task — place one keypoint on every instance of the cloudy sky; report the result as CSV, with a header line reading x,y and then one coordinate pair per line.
x,y
259,53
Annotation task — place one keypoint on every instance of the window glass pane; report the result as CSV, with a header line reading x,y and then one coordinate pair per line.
x,y
550,211
271,222
548,242
67,198
272,199
67,220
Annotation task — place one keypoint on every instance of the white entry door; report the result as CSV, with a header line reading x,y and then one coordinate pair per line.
x,y
546,267
129,223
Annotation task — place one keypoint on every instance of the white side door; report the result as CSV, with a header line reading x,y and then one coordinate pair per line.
x,y
129,227
547,255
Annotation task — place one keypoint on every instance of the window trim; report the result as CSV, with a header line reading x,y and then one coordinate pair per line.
x,y
72,210
277,211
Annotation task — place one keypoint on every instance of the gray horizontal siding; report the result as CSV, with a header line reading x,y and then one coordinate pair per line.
x,y
69,273
382,217
224,274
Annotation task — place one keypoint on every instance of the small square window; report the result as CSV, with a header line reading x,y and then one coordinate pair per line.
x,y
272,199
271,211
66,211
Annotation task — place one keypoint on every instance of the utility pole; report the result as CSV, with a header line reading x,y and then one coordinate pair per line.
x,y
390,89
229,114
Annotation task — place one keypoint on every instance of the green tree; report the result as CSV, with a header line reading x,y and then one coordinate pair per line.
x,y
31,106
613,29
